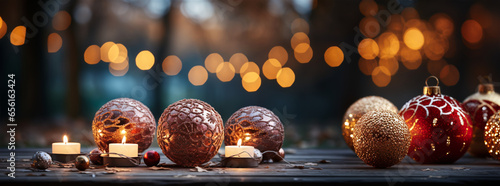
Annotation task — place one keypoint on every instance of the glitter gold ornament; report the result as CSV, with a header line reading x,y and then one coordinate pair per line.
x,y
381,138
255,126
123,117
41,160
481,106
190,132
358,109
492,136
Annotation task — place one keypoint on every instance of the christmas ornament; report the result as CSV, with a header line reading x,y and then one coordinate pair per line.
x,y
481,106
358,109
95,156
151,158
190,132
41,160
257,127
281,156
381,138
492,136
123,117
82,163
441,129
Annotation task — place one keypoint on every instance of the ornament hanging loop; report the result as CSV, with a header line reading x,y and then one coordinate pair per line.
x,y
432,90
486,85
437,80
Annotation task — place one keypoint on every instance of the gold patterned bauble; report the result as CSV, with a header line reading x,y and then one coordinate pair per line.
x,y
358,109
492,136
381,138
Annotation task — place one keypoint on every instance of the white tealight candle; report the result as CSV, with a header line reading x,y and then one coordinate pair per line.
x,y
239,151
66,147
127,149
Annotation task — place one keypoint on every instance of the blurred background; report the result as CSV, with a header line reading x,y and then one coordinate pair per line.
x,y
306,60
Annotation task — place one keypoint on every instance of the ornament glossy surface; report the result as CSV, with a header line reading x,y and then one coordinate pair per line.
x,y
151,158
95,156
41,160
82,163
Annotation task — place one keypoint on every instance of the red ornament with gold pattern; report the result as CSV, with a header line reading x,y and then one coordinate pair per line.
x,y
441,129
481,106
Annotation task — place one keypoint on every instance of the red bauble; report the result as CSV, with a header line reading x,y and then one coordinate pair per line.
x,y
441,129
481,106
151,158
190,132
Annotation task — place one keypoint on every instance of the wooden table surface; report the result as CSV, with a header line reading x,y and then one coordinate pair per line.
x,y
344,168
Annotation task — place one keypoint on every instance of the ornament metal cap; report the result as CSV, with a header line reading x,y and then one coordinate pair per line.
x,y
432,90
486,88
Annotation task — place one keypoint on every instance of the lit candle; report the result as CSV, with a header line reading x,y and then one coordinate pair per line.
x,y
66,147
127,149
242,151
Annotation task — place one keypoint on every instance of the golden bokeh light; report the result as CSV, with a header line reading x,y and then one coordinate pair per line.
x,y
302,48
171,65
61,20
249,67
472,31
113,53
366,66
18,35
105,51
118,54
434,67
3,28
121,72
411,59
369,27
381,76
368,49
212,62
388,44
251,82
270,68
119,66
225,71
443,24
198,75
449,75
410,13
145,60
237,60
54,42
368,7
279,53
285,77
299,25
482,15
334,56
413,38
92,55
390,64
299,37
303,57
396,23
435,45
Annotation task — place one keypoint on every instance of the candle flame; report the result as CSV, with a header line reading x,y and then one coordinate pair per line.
x,y
239,142
65,139
123,132
124,140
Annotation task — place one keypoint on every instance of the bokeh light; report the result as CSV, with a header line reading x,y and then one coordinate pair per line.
x,y
18,36
390,64
92,55
306,55
61,20
434,67
369,27
251,82
116,72
145,60
212,62
389,45
334,56
435,46
225,71
413,38
298,38
270,68
443,24
449,75
119,66
482,15
237,60
285,77
368,7
249,67
299,25
396,23
279,53
105,48
121,54
3,28
368,49
366,66
472,31
410,13
54,42
411,59
198,75
113,53
171,65
381,76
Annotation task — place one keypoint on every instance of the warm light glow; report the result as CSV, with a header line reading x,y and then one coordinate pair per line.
x,y
285,77
434,67
113,53
198,75
279,53
251,82
239,142
212,62
61,20
449,75
92,54
410,13
270,68
123,132
237,60
482,15
302,48
472,31
435,46
391,64
124,139
249,67
172,65
119,66
413,38
105,50
299,25
411,59
381,76
54,43
225,71
443,24
3,28
396,24
368,7
65,139
121,54
368,49
334,56
18,36
299,37
303,57
366,66
145,60
389,45
369,26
